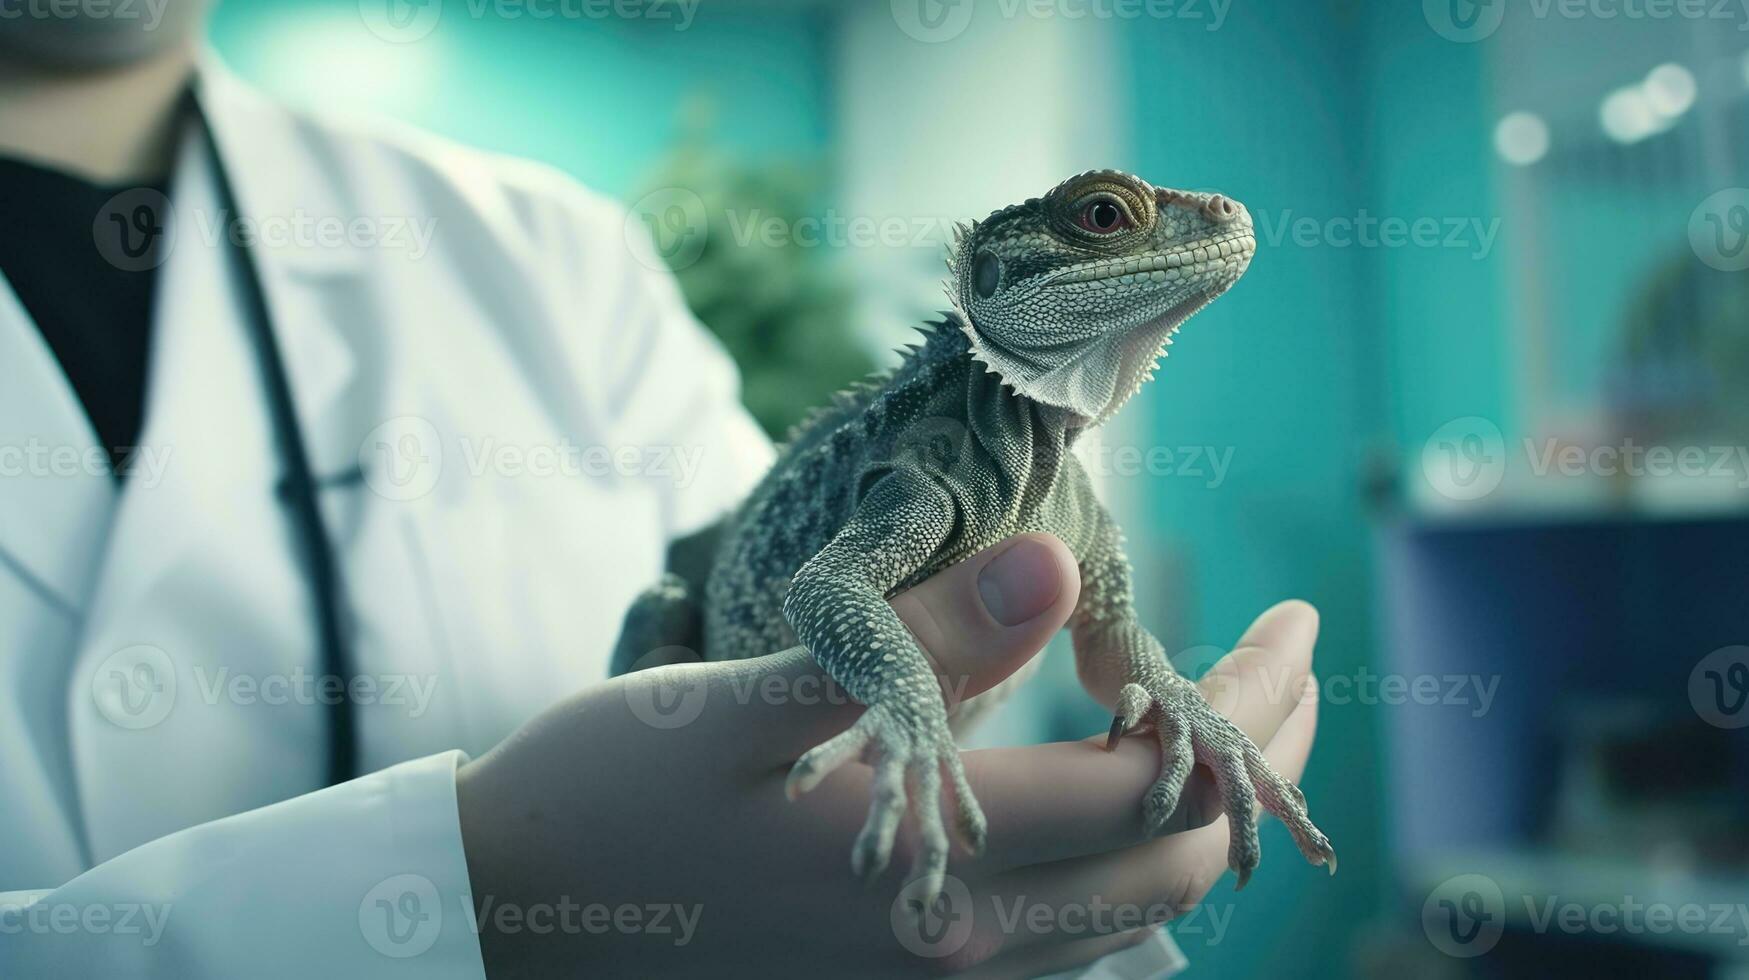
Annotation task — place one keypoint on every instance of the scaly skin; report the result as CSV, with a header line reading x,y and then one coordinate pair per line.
x,y
1062,307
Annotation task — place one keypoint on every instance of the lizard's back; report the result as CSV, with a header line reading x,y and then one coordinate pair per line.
x,y
813,488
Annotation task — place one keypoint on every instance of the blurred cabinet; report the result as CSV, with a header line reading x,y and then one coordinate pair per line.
x,y
1583,732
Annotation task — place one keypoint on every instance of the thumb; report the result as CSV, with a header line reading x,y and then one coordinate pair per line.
x,y
978,622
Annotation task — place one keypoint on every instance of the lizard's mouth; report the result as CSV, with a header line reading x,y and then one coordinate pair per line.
x,y
1189,263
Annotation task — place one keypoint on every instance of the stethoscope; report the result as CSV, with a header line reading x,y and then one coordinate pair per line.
x,y
299,487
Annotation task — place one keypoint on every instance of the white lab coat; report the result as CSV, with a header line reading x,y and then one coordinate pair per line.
x,y
535,413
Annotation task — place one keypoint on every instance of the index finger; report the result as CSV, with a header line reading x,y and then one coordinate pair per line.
x,y
1071,799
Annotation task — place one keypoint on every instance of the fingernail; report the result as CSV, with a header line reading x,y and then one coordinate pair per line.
x,y
1021,583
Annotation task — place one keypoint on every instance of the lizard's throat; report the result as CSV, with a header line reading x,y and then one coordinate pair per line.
x,y
1095,380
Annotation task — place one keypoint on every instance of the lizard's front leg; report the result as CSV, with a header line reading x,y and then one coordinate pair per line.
x,y
837,605
1124,664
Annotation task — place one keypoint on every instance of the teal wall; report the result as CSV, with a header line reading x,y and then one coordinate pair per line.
x,y
1426,128
1283,370
1325,358
601,99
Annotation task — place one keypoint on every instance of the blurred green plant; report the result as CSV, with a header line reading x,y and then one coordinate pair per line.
x,y
780,305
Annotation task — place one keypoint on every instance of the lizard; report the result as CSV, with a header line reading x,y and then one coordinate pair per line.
x,y
1062,307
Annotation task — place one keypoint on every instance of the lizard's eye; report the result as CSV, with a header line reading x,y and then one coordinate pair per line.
x,y
986,274
1103,216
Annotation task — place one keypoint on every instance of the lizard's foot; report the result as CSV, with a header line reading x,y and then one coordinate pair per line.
x,y
908,754
1190,729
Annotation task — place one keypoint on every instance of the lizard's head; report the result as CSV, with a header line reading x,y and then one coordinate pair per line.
x,y
1072,297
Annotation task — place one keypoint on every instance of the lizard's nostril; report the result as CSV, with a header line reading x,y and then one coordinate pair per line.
x,y
1217,208
1221,209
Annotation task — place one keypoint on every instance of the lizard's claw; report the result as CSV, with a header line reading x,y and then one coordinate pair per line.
x,y
1133,703
908,757
1191,730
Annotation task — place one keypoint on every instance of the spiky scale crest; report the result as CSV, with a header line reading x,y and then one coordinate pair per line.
x,y
919,365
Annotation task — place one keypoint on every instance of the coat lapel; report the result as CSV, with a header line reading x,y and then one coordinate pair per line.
x,y
56,493
56,503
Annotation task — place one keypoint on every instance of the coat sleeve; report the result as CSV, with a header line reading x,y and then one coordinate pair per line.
x,y
362,879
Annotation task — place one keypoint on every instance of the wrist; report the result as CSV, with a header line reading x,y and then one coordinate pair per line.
x,y
479,816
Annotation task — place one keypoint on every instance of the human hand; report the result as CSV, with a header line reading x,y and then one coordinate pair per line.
x,y
664,790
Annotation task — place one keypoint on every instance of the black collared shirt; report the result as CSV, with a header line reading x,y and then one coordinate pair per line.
x,y
83,259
